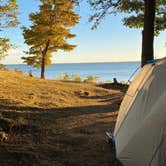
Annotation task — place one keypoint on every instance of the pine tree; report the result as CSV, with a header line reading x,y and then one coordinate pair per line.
x,y
148,31
150,15
8,19
49,32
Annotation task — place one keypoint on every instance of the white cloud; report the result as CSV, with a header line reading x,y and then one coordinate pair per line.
x,y
13,57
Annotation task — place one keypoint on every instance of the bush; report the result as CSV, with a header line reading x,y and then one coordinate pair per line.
x,y
18,71
30,73
91,79
77,78
66,77
60,78
2,67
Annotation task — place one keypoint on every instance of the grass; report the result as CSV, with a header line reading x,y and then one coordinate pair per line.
x,y
57,123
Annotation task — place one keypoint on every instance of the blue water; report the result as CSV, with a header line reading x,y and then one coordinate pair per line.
x,y
105,71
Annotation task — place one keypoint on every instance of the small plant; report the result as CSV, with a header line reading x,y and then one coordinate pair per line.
x,y
66,77
2,67
91,79
77,78
18,71
30,73
60,77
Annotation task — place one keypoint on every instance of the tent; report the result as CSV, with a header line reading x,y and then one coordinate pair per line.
x,y
140,131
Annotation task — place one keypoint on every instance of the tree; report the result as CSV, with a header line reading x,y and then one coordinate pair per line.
x,y
8,19
49,32
148,31
147,14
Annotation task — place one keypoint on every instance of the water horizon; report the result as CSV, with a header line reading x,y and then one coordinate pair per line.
x,y
77,62
106,71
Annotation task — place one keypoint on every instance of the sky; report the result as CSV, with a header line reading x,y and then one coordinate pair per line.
x,y
110,42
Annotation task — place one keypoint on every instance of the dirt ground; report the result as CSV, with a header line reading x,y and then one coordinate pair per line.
x,y
51,123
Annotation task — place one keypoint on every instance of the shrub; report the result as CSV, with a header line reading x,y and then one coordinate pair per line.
x,y
30,73
18,71
66,77
91,79
2,67
60,77
77,78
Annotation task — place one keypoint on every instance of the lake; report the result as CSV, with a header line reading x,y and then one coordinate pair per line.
x,y
105,71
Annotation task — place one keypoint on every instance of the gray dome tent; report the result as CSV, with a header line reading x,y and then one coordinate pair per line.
x,y
140,131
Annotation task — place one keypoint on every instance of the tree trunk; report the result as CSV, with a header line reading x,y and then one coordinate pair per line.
x,y
148,31
43,67
43,63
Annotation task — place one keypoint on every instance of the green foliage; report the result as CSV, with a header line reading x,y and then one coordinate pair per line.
x,y
134,9
8,19
49,31
91,79
8,14
4,47
77,78
36,60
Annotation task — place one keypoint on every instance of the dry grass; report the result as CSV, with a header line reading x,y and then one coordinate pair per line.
x,y
57,123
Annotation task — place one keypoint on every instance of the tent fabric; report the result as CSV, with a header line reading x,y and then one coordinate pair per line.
x,y
140,131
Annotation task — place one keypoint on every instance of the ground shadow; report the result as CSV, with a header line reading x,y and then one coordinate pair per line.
x,y
70,136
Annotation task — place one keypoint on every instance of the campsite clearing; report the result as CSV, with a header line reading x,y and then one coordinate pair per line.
x,y
56,123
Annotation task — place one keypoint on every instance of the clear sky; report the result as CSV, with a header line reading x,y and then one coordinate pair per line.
x,y
110,42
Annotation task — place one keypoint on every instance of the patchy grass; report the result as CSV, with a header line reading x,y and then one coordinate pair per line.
x,y
56,123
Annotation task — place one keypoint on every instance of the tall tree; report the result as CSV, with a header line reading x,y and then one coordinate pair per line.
x,y
49,32
148,31
147,14
8,19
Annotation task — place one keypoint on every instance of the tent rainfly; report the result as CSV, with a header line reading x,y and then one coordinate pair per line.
x,y
140,131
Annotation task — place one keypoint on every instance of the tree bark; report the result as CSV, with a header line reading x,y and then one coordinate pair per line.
x,y
43,63
43,67
148,32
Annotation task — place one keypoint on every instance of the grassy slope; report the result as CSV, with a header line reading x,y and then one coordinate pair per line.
x,y
60,124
